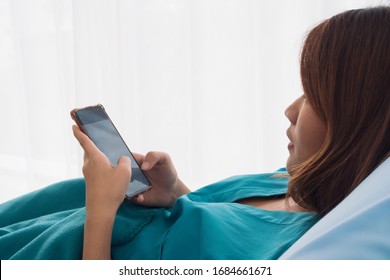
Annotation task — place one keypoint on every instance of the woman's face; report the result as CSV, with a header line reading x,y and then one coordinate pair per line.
x,y
306,132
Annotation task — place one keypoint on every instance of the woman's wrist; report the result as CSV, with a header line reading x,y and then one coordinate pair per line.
x,y
179,190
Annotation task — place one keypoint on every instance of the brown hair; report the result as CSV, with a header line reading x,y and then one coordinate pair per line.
x,y
345,72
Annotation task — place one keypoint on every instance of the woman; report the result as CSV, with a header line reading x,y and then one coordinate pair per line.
x,y
339,133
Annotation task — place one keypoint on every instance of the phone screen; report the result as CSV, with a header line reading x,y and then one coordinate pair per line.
x,y
97,125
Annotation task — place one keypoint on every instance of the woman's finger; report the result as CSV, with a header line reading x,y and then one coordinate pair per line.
x,y
124,165
124,160
153,158
139,158
138,199
86,143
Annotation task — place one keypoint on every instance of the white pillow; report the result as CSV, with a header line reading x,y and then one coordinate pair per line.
x,y
357,228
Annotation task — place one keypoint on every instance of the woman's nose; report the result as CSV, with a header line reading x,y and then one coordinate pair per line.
x,y
289,113
292,111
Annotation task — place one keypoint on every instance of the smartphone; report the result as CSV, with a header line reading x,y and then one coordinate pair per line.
x,y
97,125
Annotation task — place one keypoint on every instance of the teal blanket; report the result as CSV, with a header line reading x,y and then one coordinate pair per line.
x,y
205,224
49,223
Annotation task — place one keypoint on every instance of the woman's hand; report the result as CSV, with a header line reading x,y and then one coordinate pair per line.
x,y
105,185
166,185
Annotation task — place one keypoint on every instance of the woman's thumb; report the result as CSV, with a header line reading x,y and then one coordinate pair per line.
x,y
124,166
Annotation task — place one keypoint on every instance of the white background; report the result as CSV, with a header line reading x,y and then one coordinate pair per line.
x,y
205,80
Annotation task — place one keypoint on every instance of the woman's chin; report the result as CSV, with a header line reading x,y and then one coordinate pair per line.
x,y
290,164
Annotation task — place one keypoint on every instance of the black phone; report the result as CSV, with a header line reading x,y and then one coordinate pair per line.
x,y
97,125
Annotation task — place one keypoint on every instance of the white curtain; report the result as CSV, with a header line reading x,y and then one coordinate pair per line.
x,y
205,80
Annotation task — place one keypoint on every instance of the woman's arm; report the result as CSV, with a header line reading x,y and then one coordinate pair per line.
x,y
101,207
105,190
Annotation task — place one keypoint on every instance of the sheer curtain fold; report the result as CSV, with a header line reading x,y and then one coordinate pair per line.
x,y
206,81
